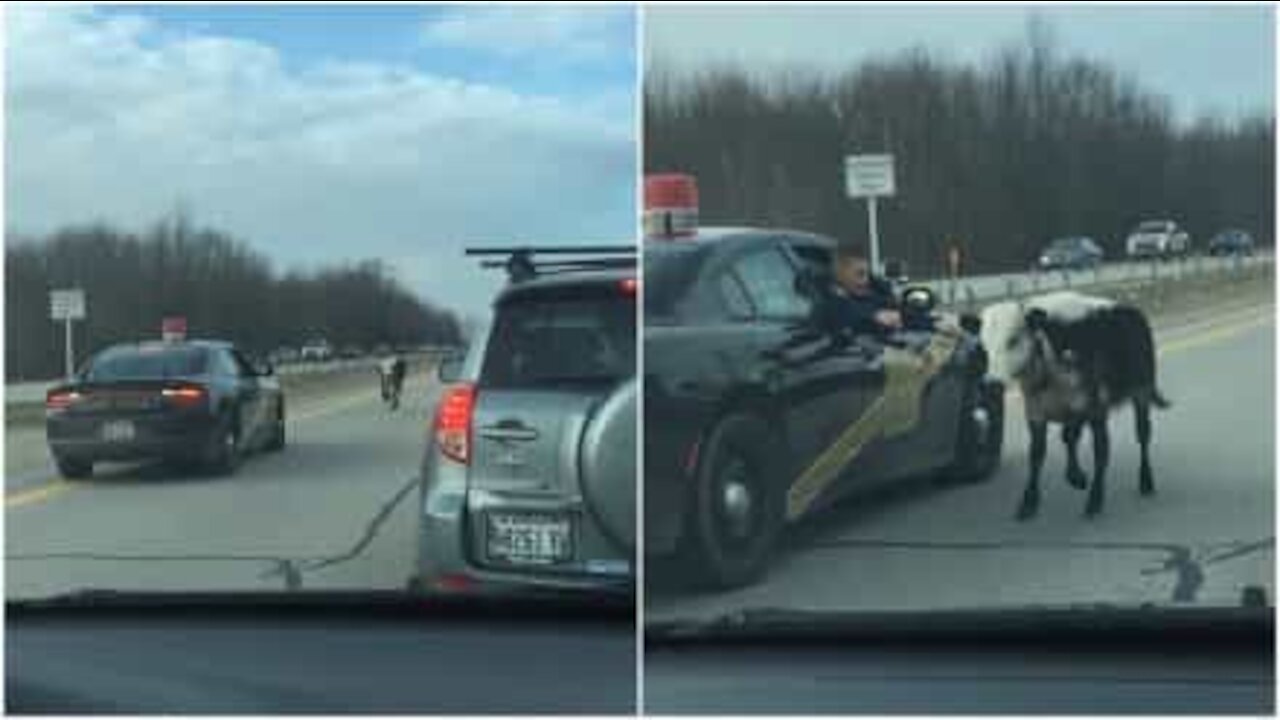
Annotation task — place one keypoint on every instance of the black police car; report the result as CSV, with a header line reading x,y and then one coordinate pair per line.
x,y
197,402
757,413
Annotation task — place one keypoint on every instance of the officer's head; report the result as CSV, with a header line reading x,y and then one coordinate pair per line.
x,y
851,268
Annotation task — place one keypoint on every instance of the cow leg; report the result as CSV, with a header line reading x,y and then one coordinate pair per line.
x,y
1031,495
1142,418
1071,430
1101,456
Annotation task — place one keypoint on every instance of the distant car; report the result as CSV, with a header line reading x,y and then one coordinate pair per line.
x,y
197,402
284,355
1157,238
529,478
316,351
1071,253
1231,242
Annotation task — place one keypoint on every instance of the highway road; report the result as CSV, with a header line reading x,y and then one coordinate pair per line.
x,y
347,456
1207,534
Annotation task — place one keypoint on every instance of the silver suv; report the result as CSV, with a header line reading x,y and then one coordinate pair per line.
x,y
528,481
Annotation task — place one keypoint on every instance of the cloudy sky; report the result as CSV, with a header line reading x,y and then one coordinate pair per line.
x,y
322,134
1211,59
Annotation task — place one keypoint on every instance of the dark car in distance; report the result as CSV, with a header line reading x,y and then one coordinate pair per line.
x,y
1071,253
199,402
757,413
1231,242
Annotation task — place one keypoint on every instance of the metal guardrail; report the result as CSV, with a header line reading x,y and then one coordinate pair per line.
x,y
34,392
971,291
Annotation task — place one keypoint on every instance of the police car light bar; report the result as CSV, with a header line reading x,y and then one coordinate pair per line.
x,y
670,206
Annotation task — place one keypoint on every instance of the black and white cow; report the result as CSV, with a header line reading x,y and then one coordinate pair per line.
x,y
1075,358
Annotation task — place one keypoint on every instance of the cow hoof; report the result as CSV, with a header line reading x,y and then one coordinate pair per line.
x,y
1147,490
1077,479
1092,510
1026,511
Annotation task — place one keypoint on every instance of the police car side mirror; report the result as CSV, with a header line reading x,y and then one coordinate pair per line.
x,y
449,368
266,369
918,299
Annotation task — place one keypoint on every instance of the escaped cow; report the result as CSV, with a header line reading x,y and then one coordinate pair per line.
x,y
1075,358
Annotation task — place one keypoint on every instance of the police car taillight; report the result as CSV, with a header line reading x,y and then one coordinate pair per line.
x,y
670,206
628,286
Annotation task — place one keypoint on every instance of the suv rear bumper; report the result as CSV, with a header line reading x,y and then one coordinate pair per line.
x,y
449,540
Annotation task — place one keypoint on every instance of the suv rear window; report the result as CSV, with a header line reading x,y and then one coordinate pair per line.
x,y
148,363
551,341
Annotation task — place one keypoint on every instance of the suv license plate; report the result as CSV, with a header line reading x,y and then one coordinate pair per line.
x,y
529,539
117,431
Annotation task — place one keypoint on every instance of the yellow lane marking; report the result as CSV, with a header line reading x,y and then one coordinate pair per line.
x,y
50,489
1209,336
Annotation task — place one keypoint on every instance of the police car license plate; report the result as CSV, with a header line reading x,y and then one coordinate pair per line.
x,y
529,539
117,431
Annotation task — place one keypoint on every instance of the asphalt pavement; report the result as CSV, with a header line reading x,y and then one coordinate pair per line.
x,y
1207,533
143,527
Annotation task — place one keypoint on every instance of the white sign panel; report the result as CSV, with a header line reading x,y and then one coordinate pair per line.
x,y
66,304
869,176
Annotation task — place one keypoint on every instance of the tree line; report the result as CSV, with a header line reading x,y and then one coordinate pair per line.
x,y
222,286
996,158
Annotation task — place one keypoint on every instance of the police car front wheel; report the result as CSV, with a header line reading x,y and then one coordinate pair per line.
x,y
736,512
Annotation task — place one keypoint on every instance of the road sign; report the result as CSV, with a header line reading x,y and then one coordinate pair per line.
x,y
173,329
66,304
869,176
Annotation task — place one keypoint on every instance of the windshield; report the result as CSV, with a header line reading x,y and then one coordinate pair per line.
x,y
278,182
147,364
1055,453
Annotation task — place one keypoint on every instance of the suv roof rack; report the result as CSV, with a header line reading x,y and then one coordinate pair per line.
x,y
522,263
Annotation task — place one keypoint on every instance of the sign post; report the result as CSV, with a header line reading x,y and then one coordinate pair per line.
x,y
871,177
67,305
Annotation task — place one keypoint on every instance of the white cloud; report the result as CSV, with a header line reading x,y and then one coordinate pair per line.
x,y
113,118
581,32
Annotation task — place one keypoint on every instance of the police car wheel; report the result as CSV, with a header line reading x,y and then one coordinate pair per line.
x,y
224,452
72,469
276,442
980,439
736,513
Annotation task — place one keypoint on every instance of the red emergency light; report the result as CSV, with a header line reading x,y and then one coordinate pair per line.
x,y
173,329
670,205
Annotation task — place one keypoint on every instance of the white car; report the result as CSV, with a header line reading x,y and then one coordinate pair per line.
x,y
1157,238
316,351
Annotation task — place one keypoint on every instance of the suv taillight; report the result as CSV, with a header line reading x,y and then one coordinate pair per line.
x,y
453,422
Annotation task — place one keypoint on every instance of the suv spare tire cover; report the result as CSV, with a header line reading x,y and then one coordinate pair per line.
x,y
609,466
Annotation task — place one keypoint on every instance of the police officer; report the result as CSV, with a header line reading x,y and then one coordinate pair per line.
x,y
860,302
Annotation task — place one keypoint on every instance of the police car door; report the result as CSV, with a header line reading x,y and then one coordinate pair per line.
x,y
815,388
847,378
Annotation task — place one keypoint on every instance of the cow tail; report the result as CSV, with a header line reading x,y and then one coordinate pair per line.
x,y
1145,351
